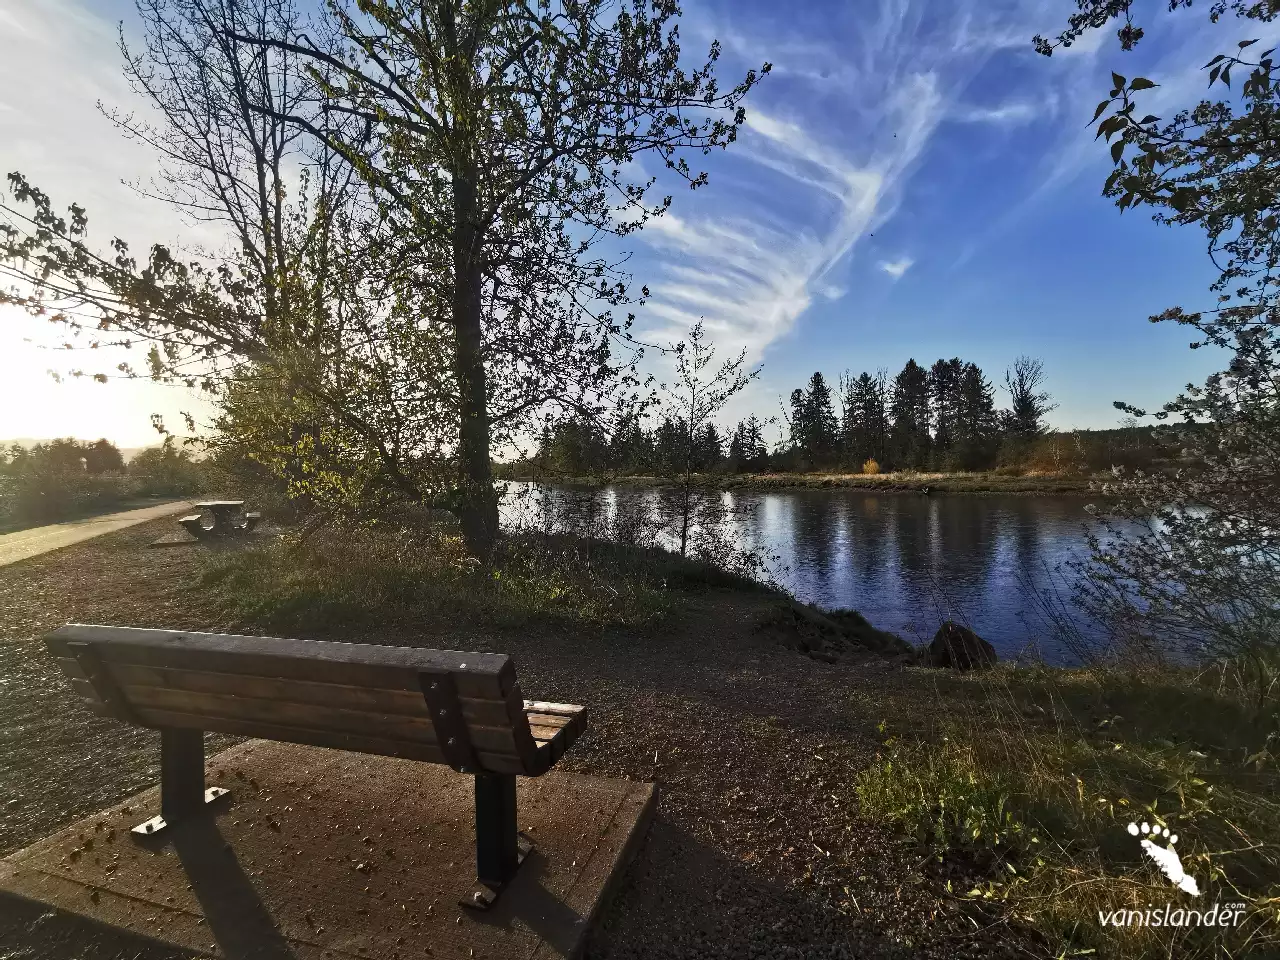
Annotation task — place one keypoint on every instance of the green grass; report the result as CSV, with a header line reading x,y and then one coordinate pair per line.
x,y
1029,778
364,577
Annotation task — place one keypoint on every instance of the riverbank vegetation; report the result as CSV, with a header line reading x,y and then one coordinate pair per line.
x,y
66,478
937,421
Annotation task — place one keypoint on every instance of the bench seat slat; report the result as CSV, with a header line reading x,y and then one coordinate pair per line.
x,y
309,716
408,702
381,746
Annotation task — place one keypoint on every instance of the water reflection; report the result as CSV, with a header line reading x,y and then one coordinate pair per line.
x,y
905,561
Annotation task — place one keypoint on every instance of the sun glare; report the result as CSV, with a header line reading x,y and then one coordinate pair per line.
x,y
34,405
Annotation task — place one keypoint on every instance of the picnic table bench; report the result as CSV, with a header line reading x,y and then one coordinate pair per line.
x,y
227,516
464,710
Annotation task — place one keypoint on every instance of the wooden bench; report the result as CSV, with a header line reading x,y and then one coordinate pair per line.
x,y
464,710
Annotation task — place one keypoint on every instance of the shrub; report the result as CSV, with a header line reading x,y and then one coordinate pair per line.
x,y
871,466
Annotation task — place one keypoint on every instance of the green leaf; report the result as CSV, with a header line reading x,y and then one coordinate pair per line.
x,y
1141,83
1117,151
1117,80
1102,106
1110,126
1213,75
1221,56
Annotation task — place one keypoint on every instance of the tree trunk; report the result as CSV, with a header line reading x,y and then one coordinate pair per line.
x,y
477,502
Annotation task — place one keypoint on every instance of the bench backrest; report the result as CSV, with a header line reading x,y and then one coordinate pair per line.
x,y
442,706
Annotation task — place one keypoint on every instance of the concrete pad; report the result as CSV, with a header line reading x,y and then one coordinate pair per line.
x,y
327,854
179,539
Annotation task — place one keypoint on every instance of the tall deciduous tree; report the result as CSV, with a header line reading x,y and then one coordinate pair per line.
x,y
700,391
1028,404
503,129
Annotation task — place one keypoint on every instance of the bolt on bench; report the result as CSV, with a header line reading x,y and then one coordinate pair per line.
x,y
464,710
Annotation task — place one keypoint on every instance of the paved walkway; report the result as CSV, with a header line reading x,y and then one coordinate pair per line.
x,y
37,540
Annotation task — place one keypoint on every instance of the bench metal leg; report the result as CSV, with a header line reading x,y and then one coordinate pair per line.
x,y
500,847
182,791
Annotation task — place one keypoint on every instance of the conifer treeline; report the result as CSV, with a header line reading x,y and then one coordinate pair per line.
x,y
940,418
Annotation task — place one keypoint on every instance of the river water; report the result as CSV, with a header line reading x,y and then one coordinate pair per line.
x,y
906,561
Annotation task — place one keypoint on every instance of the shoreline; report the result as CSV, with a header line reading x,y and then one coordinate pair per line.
x,y
917,483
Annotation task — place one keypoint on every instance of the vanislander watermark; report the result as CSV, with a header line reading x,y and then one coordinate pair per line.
x,y
1158,845
1165,857
1218,915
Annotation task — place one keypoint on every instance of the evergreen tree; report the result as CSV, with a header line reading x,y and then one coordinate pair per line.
x,y
707,450
799,422
944,392
738,448
630,449
975,420
668,445
866,420
757,454
814,430
910,413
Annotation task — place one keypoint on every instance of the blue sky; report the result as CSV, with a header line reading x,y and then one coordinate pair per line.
x,y
914,181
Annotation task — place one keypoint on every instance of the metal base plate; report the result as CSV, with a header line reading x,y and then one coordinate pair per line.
x,y
156,824
486,896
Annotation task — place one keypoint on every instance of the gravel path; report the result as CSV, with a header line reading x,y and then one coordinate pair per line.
x,y
756,851
34,541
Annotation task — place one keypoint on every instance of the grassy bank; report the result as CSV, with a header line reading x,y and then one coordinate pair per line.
x,y
1020,786
354,577
905,482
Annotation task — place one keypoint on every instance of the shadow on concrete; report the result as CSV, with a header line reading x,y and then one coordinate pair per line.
x,y
238,920
528,901
34,931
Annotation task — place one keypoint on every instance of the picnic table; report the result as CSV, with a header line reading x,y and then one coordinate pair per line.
x,y
226,516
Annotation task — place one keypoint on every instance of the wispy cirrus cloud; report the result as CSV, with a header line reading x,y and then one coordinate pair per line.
x,y
896,268
836,132
1172,56
1009,113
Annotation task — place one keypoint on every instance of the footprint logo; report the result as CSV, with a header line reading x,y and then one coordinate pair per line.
x,y
1165,857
